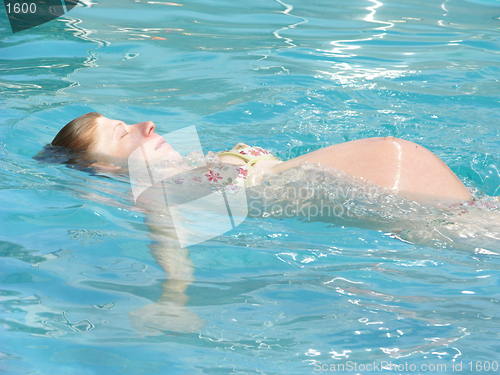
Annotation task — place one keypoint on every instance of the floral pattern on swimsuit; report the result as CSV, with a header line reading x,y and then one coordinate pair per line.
x,y
223,176
217,176
226,176
244,149
232,177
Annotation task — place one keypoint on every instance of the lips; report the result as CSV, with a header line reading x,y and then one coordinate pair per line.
x,y
160,143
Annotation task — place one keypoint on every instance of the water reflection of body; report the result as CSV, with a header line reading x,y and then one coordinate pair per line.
x,y
404,169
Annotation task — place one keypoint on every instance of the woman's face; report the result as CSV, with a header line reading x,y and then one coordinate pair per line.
x,y
116,140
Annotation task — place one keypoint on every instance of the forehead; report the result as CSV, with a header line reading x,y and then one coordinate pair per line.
x,y
104,131
106,121
106,125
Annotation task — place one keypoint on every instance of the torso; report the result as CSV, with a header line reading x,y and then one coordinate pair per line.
x,y
401,166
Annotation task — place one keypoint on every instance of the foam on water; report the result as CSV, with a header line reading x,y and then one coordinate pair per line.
x,y
317,194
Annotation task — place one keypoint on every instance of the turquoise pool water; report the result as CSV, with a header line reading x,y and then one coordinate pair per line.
x,y
277,296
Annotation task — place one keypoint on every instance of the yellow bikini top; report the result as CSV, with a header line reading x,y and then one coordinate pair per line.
x,y
249,154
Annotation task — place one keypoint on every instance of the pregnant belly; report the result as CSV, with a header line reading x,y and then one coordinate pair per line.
x,y
404,167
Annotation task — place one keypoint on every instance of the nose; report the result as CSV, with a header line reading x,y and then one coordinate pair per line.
x,y
147,128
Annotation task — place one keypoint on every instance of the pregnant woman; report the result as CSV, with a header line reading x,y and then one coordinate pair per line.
x,y
401,168
404,167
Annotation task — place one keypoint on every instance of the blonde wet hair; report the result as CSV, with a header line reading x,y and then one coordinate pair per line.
x,y
78,135
73,142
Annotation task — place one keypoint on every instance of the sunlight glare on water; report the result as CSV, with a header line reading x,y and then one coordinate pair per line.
x,y
276,295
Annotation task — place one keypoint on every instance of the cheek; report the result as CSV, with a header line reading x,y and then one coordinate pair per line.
x,y
148,146
134,145
127,146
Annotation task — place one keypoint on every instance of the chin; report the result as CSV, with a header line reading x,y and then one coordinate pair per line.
x,y
171,155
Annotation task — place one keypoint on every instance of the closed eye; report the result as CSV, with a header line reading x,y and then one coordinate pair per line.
x,y
124,130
